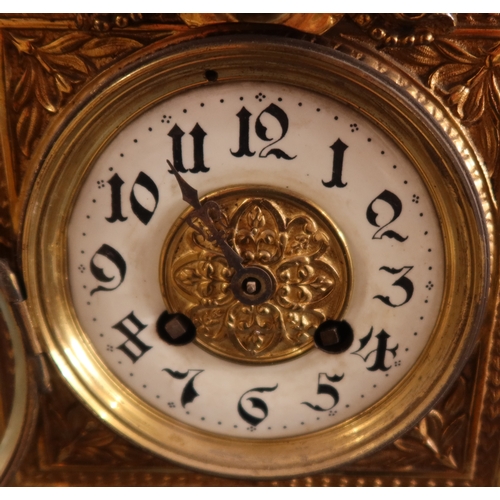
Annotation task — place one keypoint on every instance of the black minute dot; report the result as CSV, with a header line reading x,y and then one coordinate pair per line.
x,y
82,251
135,140
241,98
150,129
430,268
101,335
111,169
369,140
318,109
415,334
203,418
335,117
235,426
93,201
88,216
382,152
362,395
429,250
426,233
131,374
300,104
202,104
406,349
347,406
222,100
84,234
280,99
184,110
219,423
94,319
421,317
406,182
421,215
121,154
394,166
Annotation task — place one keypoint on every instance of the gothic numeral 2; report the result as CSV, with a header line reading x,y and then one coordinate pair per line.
x,y
395,203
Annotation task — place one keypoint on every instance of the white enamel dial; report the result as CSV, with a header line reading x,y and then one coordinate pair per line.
x,y
324,152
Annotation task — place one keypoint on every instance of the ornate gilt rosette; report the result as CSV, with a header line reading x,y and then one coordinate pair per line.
x,y
289,238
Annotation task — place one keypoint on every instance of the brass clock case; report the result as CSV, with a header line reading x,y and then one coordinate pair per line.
x,y
450,173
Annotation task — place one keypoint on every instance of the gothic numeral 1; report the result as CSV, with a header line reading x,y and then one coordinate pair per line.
x,y
133,347
380,351
116,184
198,135
244,141
338,148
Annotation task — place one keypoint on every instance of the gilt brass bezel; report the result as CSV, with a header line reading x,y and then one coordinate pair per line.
x,y
67,154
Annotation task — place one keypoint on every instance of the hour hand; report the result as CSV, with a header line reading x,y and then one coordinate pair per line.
x,y
251,284
204,212
189,193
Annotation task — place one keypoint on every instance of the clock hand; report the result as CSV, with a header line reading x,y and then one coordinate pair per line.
x,y
203,212
250,284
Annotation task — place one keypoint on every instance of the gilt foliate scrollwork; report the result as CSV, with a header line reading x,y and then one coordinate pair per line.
x,y
304,257
52,71
467,78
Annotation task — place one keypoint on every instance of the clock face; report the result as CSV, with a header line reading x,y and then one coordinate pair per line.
x,y
234,255
306,189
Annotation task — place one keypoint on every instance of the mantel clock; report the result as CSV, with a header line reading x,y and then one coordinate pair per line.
x,y
254,247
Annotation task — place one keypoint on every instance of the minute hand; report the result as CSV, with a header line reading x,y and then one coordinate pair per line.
x,y
190,195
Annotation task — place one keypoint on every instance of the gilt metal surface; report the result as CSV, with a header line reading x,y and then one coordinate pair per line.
x,y
46,59
289,238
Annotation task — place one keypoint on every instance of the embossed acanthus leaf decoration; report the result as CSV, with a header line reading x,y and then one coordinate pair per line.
x,y
467,78
471,82
436,443
290,250
51,72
